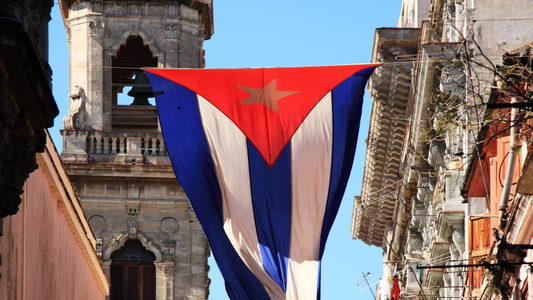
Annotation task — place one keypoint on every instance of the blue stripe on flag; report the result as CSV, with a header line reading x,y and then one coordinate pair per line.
x,y
347,101
318,296
180,117
271,197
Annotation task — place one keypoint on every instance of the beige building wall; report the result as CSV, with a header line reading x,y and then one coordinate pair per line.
x,y
413,13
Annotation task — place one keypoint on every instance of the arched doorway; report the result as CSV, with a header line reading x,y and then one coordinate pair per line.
x,y
132,273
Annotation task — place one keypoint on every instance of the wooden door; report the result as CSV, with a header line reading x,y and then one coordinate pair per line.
x,y
132,273
132,281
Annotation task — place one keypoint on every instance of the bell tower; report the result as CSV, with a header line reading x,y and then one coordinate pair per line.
x,y
148,239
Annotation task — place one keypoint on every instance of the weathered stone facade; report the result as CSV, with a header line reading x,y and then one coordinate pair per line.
x,y
115,154
429,107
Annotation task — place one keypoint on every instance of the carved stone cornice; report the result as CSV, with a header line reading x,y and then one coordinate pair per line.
x,y
204,8
118,242
172,31
96,28
448,222
389,88
167,268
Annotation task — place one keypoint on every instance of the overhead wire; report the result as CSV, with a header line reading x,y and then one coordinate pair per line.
x,y
381,197
486,55
385,187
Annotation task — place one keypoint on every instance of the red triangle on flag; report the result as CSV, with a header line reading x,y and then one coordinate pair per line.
x,y
266,104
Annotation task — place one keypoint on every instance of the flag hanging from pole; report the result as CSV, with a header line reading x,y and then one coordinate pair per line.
x,y
264,156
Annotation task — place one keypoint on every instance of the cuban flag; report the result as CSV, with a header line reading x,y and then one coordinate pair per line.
x,y
264,156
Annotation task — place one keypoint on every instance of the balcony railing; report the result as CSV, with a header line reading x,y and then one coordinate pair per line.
x,y
105,143
122,147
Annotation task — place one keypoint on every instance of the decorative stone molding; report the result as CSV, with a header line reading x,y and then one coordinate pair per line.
x,y
418,214
436,154
414,244
168,270
428,234
172,31
191,28
99,247
453,80
118,242
98,223
156,46
169,225
132,226
458,239
448,222
97,28
133,199
454,181
132,208
425,189
168,252
76,118
165,276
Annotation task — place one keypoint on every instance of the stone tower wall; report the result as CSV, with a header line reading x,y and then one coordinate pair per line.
x,y
173,32
123,177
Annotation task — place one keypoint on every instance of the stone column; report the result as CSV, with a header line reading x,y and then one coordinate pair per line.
x,y
95,58
164,277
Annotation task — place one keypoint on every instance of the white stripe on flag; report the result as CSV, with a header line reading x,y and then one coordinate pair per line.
x,y
228,148
311,164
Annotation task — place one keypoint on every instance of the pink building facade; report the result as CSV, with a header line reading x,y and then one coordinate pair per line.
x,y
47,248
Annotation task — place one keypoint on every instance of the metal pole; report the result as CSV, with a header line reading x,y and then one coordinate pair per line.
x,y
368,284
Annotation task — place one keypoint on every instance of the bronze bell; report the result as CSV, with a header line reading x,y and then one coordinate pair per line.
x,y
141,90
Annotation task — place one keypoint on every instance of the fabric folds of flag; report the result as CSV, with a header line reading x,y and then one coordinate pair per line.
x,y
264,156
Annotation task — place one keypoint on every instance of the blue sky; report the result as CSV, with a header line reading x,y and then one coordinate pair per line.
x,y
251,33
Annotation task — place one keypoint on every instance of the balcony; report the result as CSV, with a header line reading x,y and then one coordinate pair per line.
x,y
114,147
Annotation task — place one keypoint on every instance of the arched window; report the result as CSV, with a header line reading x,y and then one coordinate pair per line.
x,y
132,273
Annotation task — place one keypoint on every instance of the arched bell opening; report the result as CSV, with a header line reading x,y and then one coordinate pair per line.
x,y
132,95
133,272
